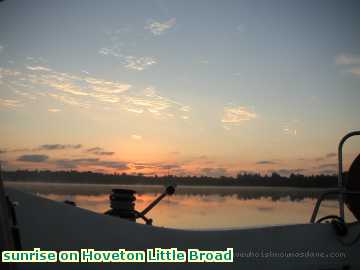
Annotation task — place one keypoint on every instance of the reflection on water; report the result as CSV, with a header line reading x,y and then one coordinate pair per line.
x,y
195,207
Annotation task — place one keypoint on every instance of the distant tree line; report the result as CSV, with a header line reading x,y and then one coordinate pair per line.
x,y
242,179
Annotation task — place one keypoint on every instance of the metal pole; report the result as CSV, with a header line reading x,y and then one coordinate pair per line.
x,y
6,240
169,191
152,205
340,172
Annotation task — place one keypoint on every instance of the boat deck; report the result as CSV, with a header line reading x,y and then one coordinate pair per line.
x,y
51,225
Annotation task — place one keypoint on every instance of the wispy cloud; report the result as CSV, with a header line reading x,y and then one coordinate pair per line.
x,y
131,62
326,157
36,60
53,110
72,89
120,51
1,48
355,71
234,115
155,166
331,155
99,151
136,137
10,103
47,147
347,59
138,63
73,84
289,131
50,147
25,94
69,100
38,68
266,162
33,158
150,101
72,163
158,28
351,61
112,51
291,127
328,165
85,91
92,162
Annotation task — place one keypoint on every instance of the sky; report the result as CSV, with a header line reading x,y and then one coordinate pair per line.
x,y
174,87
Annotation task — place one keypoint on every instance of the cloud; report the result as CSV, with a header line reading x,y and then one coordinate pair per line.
x,y
355,71
347,59
2,151
265,208
214,172
158,28
330,155
10,103
117,49
99,151
158,166
69,101
265,162
94,149
236,115
136,137
25,94
36,60
289,131
135,110
33,158
74,163
1,49
38,68
78,85
169,166
50,147
326,157
139,63
53,110
84,92
150,101
328,165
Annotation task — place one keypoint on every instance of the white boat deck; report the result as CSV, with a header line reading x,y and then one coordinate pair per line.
x,y
56,226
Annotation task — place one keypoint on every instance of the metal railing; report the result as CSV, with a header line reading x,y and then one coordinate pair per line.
x,y
341,190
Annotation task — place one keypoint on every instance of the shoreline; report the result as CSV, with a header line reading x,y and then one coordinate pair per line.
x,y
12,182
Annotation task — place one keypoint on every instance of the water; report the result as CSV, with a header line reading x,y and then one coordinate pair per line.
x,y
200,207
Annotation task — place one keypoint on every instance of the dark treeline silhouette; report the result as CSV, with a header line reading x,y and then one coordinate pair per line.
x,y
242,179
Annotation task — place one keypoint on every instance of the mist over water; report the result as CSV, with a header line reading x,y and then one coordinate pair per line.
x,y
200,208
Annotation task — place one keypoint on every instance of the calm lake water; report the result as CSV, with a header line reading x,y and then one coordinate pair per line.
x,y
199,207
